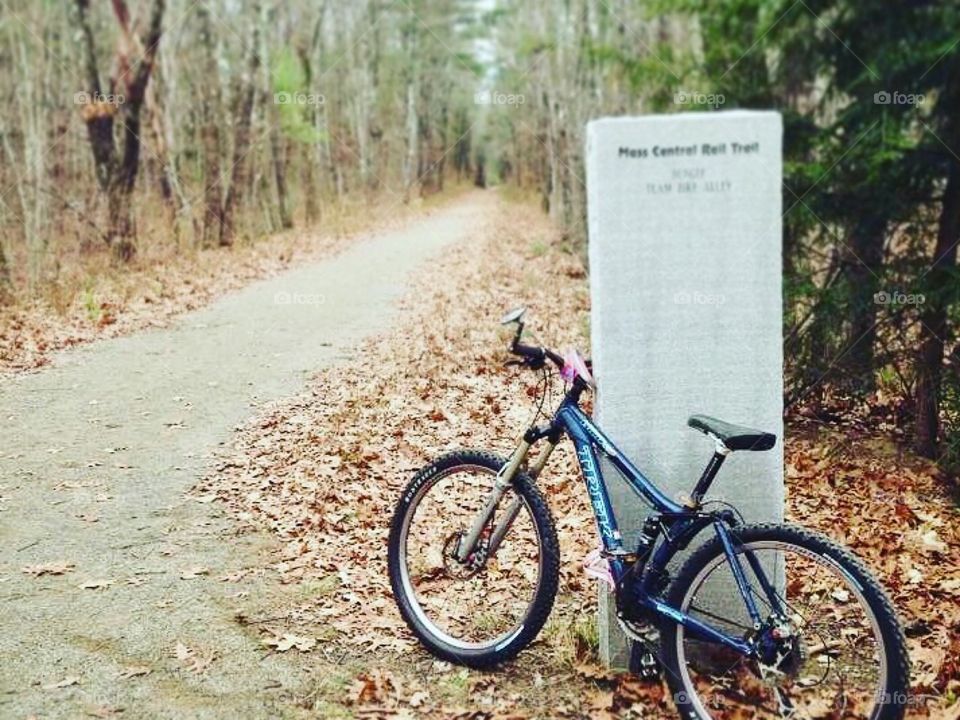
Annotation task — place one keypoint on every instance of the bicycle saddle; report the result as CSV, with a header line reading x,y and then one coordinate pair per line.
x,y
735,437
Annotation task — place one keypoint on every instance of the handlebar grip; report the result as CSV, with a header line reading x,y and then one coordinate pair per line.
x,y
554,358
527,351
536,354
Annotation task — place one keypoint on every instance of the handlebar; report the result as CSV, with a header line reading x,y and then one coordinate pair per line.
x,y
535,356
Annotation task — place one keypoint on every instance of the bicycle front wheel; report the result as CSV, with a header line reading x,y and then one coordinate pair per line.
x,y
832,648
486,608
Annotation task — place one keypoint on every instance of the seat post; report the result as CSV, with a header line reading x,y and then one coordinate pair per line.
x,y
709,472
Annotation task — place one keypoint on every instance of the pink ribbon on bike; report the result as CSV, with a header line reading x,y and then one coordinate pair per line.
x,y
597,566
574,365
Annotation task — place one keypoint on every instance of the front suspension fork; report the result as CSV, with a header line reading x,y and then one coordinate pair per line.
x,y
504,480
514,508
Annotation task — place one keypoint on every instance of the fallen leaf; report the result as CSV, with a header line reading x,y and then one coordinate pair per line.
x,y
932,542
194,572
418,698
193,660
104,711
66,682
287,641
51,568
132,671
96,585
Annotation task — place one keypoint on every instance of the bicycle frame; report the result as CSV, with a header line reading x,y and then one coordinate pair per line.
x,y
681,522
590,442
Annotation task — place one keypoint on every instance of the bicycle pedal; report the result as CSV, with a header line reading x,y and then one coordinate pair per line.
x,y
649,667
644,664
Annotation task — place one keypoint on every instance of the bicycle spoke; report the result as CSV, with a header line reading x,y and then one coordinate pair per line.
x,y
483,597
829,660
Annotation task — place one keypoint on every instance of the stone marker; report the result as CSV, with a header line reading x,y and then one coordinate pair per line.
x,y
685,276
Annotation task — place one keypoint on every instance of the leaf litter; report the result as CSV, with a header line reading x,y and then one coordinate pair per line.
x,y
323,470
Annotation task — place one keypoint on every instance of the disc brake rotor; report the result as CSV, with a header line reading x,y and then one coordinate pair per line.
x,y
474,562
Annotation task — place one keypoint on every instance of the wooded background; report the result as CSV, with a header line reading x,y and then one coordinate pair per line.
x,y
130,130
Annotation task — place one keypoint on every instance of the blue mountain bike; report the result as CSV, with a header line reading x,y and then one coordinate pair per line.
x,y
759,621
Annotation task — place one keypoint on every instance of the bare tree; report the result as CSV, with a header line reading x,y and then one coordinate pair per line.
x,y
119,103
243,113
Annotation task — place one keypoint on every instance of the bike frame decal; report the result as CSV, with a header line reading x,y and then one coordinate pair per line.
x,y
598,495
587,439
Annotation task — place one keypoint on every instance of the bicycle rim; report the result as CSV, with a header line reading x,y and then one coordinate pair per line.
x,y
468,610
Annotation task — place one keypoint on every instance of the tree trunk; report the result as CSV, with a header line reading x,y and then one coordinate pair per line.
x,y
134,60
212,222
241,146
311,207
480,177
278,149
940,280
863,266
934,328
5,285
410,163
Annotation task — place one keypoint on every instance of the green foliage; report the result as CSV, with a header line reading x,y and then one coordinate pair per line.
x,y
871,130
91,305
296,103
858,146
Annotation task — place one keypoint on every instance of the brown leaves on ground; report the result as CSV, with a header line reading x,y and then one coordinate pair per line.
x,y
897,516
194,660
323,471
288,641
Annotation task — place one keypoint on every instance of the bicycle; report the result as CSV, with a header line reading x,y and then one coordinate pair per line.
x,y
762,619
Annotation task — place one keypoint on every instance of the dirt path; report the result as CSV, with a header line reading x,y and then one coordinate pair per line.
x,y
96,456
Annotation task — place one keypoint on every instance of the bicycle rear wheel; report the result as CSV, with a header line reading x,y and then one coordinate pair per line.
x,y
486,609
838,652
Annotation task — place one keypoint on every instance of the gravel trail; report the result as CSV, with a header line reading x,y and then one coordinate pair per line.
x,y
97,453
